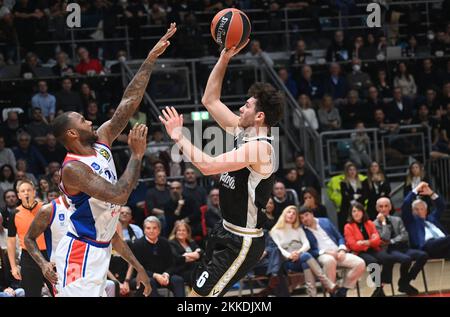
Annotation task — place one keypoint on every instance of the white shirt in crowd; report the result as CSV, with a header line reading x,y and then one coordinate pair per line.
x,y
429,229
289,239
324,242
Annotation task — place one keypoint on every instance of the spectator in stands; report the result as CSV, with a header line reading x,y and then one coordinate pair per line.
x,y
311,199
155,255
93,115
291,240
22,167
27,16
338,51
130,232
87,65
158,15
358,45
405,81
328,247
38,127
431,101
306,112
138,117
369,50
395,241
7,177
335,84
26,151
10,128
43,189
306,177
440,46
307,85
411,48
213,214
400,109
67,99
52,150
383,123
288,81
62,67
329,117
291,181
373,102
8,34
270,208
423,118
363,239
28,69
282,198
186,251
256,55
427,77
360,148
10,199
87,95
157,197
10,292
180,207
425,230
352,190
298,58
416,175
192,189
378,186
155,146
6,154
358,79
44,101
383,85
353,110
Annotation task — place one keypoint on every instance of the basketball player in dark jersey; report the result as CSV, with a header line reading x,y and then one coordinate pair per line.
x,y
236,243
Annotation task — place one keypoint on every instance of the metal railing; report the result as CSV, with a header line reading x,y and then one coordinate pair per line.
x,y
440,171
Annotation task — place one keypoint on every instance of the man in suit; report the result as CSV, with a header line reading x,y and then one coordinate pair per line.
x,y
395,241
425,231
328,247
400,109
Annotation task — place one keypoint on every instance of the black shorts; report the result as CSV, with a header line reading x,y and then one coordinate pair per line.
x,y
228,258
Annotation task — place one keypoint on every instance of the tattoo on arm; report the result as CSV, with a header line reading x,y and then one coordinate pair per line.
x,y
131,100
99,188
125,252
38,226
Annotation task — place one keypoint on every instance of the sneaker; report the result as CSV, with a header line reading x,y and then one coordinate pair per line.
x,y
379,292
341,292
408,289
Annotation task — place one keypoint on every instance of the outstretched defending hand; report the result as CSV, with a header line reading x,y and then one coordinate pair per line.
x,y
173,123
137,140
164,42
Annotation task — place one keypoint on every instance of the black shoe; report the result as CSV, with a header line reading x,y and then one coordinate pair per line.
x,y
341,292
408,289
379,292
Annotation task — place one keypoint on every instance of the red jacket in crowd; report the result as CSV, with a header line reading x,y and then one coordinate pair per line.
x,y
352,235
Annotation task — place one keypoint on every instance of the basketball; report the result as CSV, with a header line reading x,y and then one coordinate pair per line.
x,y
230,27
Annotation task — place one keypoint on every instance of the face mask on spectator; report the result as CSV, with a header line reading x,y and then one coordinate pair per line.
x,y
356,67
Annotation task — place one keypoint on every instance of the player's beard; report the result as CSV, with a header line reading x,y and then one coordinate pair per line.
x,y
88,137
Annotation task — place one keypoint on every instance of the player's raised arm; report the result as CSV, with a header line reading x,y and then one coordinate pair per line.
x,y
78,177
37,227
211,98
133,94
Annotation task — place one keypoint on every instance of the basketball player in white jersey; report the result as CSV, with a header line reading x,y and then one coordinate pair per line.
x,y
237,243
95,194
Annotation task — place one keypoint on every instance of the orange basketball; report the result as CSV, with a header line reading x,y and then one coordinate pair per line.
x,y
230,27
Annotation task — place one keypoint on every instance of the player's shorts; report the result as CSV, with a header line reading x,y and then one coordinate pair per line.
x,y
228,258
82,267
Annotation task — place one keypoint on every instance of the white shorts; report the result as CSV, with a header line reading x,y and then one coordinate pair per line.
x,y
81,267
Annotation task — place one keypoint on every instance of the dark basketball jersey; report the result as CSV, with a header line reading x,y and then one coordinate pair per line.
x,y
244,193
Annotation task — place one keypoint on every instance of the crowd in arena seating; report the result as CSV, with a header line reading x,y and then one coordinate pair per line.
x,y
167,222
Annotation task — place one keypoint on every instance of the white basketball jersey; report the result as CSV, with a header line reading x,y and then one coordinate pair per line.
x,y
58,226
90,218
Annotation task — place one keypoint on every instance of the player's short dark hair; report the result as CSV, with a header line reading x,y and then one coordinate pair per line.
x,y
60,125
268,100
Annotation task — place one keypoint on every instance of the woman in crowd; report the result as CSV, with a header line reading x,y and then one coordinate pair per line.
x,y
383,86
416,174
186,251
270,222
352,190
405,81
329,117
291,240
362,238
378,186
7,177
311,199
306,111
43,189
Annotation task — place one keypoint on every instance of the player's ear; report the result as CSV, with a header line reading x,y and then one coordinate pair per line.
x,y
71,133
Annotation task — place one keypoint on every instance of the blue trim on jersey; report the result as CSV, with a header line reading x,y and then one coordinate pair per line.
x,y
98,244
82,219
67,259
48,231
85,259
53,213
